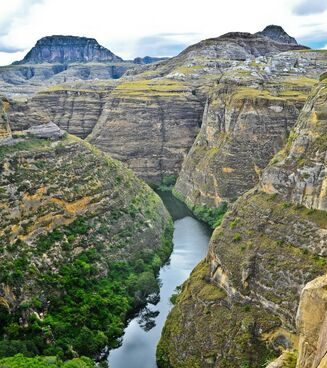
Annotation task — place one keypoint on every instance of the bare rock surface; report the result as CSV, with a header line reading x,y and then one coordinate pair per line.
x,y
46,131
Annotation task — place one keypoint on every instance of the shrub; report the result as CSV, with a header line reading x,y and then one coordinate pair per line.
x,y
237,237
167,183
212,216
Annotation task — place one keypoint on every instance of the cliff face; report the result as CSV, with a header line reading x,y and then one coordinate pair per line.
x,y
73,225
150,125
247,119
67,49
163,102
312,324
75,107
243,299
299,173
174,94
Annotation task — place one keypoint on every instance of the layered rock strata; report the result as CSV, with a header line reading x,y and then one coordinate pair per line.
x,y
243,298
247,119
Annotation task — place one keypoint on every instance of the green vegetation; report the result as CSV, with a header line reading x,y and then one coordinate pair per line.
x,y
237,237
212,216
86,312
39,144
323,77
174,296
19,361
167,183
83,254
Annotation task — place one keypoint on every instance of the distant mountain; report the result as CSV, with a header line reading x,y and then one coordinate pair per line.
x,y
277,34
68,49
148,60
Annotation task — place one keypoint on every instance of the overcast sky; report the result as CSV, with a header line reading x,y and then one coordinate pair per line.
x,y
133,28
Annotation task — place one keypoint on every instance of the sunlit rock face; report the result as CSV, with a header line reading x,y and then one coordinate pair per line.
x,y
299,173
312,324
247,119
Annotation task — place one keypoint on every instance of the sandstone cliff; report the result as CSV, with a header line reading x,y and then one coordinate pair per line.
x,y
299,171
247,119
164,102
238,309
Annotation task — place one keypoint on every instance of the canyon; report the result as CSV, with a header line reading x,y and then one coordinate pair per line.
x,y
239,123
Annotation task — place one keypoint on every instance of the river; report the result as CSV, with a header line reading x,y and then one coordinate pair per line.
x,y
191,238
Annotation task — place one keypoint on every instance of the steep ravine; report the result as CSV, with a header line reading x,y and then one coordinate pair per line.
x,y
190,241
239,307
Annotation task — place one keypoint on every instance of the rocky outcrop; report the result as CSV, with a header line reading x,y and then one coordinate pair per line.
x,y
312,325
46,131
174,92
164,102
299,172
260,259
75,107
247,119
22,115
67,49
26,80
278,34
59,59
150,125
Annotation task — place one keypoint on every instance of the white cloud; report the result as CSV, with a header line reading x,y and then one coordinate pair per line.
x,y
307,7
7,58
134,28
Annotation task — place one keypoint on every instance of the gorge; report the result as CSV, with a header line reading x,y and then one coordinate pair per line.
x,y
235,128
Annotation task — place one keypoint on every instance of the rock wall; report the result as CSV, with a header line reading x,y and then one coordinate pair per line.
x,y
312,324
75,107
161,104
299,172
260,259
247,119
150,125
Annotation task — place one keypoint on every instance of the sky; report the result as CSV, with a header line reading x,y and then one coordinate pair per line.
x,y
132,28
